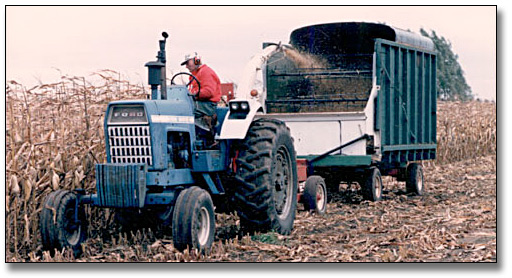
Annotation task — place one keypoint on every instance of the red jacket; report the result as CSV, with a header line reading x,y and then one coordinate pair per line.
x,y
210,84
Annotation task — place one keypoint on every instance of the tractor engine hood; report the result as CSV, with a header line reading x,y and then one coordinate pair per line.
x,y
136,130
178,108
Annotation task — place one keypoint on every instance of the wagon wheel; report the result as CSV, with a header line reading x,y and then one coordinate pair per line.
x,y
372,185
415,182
315,195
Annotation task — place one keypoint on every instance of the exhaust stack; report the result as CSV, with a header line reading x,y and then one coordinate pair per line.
x,y
156,72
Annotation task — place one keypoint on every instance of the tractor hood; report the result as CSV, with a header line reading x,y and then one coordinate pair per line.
x,y
177,108
138,129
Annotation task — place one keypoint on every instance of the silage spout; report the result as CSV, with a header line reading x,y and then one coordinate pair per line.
x,y
250,72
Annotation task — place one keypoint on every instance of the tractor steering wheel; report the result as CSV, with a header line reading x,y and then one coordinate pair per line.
x,y
190,82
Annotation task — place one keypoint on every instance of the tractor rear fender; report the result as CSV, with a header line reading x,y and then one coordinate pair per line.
x,y
236,124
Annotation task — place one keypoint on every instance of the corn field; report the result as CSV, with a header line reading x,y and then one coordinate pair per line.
x,y
54,136
465,130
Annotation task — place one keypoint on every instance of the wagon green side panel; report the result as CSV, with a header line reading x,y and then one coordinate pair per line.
x,y
406,103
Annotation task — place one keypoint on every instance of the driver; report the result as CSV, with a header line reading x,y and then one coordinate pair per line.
x,y
209,92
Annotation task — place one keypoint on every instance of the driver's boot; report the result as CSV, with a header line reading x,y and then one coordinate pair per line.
x,y
203,123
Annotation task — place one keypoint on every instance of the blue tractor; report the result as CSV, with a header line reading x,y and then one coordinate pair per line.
x,y
161,165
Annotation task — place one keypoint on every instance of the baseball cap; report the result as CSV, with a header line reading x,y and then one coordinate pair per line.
x,y
190,56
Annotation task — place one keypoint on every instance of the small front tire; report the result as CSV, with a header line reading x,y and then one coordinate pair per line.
x,y
193,221
58,225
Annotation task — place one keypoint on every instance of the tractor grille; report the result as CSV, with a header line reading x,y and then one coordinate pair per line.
x,y
130,144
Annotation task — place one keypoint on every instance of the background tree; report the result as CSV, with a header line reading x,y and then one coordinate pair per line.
x,y
451,83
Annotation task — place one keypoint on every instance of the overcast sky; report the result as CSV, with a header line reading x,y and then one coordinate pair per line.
x,y
81,40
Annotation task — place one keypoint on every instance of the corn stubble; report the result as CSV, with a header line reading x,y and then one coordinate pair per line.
x,y
54,136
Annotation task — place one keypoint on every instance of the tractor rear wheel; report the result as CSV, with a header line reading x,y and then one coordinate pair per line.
x,y
266,169
193,221
414,183
61,226
315,195
372,185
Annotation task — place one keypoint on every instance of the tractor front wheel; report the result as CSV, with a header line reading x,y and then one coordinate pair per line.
x,y
62,222
193,221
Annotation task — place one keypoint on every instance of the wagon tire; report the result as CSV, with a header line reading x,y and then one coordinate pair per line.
x,y
415,181
315,195
372,185
266,173
57,224
193,220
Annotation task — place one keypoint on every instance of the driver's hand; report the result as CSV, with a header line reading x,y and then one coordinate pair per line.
x,y
193,89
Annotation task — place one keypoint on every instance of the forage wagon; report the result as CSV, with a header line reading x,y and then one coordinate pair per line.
x,y
359,99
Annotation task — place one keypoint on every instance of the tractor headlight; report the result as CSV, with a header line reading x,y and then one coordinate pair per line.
x,y
244,106
234,106
238,109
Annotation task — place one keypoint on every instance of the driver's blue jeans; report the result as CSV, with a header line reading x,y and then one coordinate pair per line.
x,y
204,108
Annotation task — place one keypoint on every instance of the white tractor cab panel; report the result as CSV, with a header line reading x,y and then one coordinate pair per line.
x,y
238,119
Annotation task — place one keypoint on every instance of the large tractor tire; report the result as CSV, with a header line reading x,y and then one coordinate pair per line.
x,y
58,225
266,169
372,185
415,182
315,195
193,221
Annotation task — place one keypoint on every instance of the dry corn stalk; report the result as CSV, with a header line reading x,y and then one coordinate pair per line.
x,y
53,130
465,130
